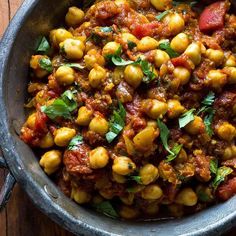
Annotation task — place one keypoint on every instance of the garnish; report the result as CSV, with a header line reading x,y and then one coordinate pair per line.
x,y
136,178
208,121
214,166
74,65
176,149
75,142
162,15
164,134
222,172
166,47
44,46
106,29
207,102
131,45
61,107
46,64
118,61
186,118
106,208
117,123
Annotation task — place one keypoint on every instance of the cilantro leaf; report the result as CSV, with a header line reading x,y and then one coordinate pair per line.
x,y
166,47
209,99
74,65
203,197
214,166
186,118
164,134
162,15
136,178
106,208
44,46
75,142
106,29
117,123
208,121
46,64
222,172
176,149
131,45
116,54
118,61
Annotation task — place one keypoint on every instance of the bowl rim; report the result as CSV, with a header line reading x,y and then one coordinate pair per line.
x,y
39,197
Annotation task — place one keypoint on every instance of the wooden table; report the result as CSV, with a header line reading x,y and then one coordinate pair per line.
x,y
21,217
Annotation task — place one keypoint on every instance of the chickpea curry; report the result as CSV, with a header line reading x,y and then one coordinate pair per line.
x,y
133,106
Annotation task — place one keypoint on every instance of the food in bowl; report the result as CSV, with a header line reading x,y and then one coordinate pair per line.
x,y
133,106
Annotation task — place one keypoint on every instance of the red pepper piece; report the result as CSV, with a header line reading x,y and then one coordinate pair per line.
x,y
143,30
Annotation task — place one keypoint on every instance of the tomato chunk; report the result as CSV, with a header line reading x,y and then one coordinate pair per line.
x,y
182,61
212,18
143,30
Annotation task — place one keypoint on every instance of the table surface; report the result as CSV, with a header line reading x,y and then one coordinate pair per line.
x,y
21,217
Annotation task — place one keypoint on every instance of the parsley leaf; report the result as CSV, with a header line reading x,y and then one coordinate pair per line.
x,y
162,15
166,47
106,29
186,118
222,172
136,178
74,65
131,45
46,64
61,107
214,166
75,142
117,123
44,46
106,208
118,61
176,149
164,134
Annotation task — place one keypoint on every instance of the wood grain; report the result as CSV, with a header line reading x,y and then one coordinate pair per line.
x,y
21,217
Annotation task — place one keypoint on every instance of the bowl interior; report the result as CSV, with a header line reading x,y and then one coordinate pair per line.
x,y
35,19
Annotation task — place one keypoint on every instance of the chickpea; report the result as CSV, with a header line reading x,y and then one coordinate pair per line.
x,y
73,48
154,108
196,126
193,51
176,210
92,58
161,57
74,16
175,23
226,131
182,74
127,37
51,161
160,5
41,98
182,157
128,199
152,192
180,42
96,76
148,174
80,196
143,141
65,75
84,116
98,158
187,197
133,75
175,109
152,208
217,56
99,125
59,35
63,136
216,79
110,48
118,75
123,165
30,122
97,199
229,152
232,74
47,141
128,212
147,44
231,61
118,178
35,65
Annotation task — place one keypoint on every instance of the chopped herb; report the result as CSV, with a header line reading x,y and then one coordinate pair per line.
x,y
209,99
131,45
214,166
116,54
176,149
222,172
166,47
75,142
162,15
203,197
117,123
106,208
186,118
61,107
46,64
97,39
208,121
136,178
118,61
74,65
106,29
44,46
164,134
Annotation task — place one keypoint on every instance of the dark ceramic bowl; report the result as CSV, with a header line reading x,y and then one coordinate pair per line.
x,y
35,18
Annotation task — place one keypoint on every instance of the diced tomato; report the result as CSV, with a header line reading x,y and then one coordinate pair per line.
x,y
40,122
143,30
183,61
212,18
